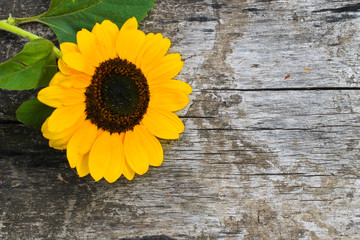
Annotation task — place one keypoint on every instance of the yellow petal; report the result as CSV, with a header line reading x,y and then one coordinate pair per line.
x,y
152,146
59,144
83,166
81,142
64,117
162,123
129,40
100,155
174,85
68,47
168,68
65,69
136,153
56,96
155,52
117,160
128,45
128,172
130,24
57,78
65,133
78,62
89,47
148,41
76,81
59,140
106,33
168,99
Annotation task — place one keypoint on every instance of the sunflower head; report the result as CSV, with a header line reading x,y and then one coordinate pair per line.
x,y
114,94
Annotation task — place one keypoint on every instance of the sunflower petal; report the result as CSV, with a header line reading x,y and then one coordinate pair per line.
x,y
130,24
153,147
81,142
136,153
62,134
175,85
117,160
78,62
68,47
129,45
65,69
168,68
83,166
154,53
76,81
56,96
128,172
106,33
168,99
56,79
89,47
64,117
162,123
129,41
100,155
59,144
148,41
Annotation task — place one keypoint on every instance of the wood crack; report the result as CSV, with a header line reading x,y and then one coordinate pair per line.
x,y
284,89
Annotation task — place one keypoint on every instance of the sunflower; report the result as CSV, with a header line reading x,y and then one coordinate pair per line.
x,y
114,95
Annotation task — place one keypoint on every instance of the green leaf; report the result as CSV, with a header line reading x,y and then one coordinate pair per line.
x,y
67,17
33,67
33,113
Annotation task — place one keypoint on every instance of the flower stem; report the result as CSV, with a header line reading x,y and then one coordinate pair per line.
x,y
57,52
9,26
4,25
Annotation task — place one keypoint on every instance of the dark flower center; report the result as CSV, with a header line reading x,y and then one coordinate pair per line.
x,y
118,96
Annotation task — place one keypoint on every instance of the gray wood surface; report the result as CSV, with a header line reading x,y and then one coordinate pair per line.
x,y
262,156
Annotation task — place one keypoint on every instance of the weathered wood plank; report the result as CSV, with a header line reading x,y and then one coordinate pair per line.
x,y
262,157
224,175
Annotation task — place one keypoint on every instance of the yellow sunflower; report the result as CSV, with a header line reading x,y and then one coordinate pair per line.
x,y
113,94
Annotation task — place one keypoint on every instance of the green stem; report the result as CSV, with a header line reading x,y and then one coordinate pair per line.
x,y
9,25
4,25
57,52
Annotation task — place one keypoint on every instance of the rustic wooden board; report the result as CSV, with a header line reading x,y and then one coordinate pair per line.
x,y
262,157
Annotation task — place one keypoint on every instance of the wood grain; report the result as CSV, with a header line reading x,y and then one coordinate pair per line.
x,y
262,156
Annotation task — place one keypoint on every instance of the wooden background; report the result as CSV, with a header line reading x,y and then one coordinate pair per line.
x,y
262,156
